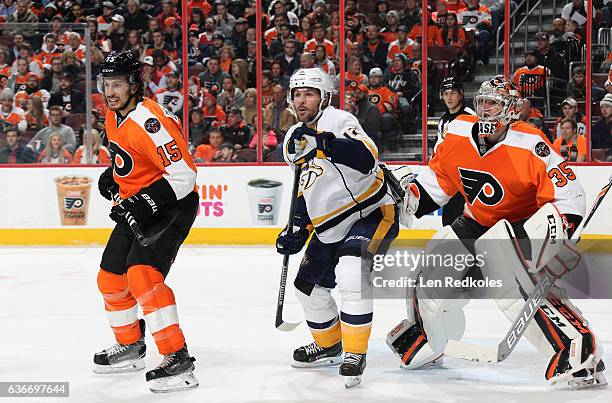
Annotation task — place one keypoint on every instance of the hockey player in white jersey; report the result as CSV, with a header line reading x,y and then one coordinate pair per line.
x,y
344,202
518,192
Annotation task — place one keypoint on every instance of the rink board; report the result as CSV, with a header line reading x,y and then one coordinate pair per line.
x,y
239,205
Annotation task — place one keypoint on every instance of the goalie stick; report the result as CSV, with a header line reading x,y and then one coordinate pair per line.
x,y
280,323
474,352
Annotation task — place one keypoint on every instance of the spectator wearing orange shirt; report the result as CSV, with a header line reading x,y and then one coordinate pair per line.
x,y
319,39
439,16
34,65
266,88
451,34
386,101
168,10
531,78
226,56
432,32
389,32
274,32
104,20
213,112
402,44
19,80
476,17
323,62
99,153
570,144
354,75
206,152
201,4
159,43
454,5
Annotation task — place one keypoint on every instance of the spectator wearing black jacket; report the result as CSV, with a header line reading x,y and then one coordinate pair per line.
x,y
14,152
289,59
547,56
135,18
375,48
235,131
367,114
70,99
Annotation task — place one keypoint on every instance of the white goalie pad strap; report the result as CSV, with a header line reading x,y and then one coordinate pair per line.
x,y
162,318
546,234
319,306
124,317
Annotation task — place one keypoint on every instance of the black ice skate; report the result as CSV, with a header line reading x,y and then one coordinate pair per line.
x,y
173,374
122,358
588,378
313,356
352,368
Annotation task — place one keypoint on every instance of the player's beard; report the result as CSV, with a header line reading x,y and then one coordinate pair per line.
x,y
123,105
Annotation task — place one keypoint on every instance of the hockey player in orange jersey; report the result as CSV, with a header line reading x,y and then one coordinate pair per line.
x,y
515,186
152,181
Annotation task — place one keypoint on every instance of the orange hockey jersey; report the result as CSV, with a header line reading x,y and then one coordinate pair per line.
x,y
381,95
145,146
511,180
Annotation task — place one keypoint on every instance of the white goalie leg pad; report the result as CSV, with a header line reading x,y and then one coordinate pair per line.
x,y
355,286
504,264
443,318
440,310
319,306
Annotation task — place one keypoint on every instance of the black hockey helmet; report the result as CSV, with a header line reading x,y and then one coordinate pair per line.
x,y
450,83
122,64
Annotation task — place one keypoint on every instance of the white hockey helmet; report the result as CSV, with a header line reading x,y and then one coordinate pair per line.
x,y
311,78
497,103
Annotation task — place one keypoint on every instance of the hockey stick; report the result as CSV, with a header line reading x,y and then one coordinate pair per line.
x,y
280,323
142,240
473,352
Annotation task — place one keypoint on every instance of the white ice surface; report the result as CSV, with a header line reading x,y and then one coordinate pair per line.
x,y
52,321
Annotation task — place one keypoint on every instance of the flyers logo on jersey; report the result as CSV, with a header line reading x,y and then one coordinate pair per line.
x,y
483,186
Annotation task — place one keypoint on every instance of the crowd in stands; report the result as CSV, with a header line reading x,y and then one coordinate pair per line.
x,y
42,70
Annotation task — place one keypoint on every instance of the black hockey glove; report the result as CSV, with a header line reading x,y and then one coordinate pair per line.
x,y
292,242
107,184
306,143
141,206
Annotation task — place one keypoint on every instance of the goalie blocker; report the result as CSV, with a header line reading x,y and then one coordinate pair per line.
x,y
559,331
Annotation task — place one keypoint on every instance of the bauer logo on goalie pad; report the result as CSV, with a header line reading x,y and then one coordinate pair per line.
x,y
483,186
73,203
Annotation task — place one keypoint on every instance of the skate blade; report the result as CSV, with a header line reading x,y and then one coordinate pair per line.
x,y
597,381
175,383
323,362
351,381
120,368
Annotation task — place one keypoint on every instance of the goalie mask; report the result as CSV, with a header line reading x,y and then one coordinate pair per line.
x,y
311,78
497,104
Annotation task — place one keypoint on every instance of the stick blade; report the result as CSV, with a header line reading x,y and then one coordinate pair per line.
x,y
470,352
287,326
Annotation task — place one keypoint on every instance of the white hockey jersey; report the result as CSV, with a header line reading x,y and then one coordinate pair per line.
x,y
337,195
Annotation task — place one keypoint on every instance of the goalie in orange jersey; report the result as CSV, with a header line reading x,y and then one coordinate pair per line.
x,y
518,192
152,179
